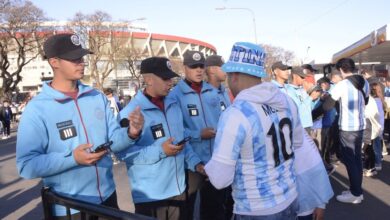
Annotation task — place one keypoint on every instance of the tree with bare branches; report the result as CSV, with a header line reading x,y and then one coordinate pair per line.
x,y
101,37
275,54
20,40
131,59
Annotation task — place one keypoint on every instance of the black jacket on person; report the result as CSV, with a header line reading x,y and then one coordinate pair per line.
x,y
3,115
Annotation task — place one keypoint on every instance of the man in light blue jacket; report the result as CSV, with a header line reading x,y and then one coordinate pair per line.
x,y
215,77
301,98
156,163
201,108
62,126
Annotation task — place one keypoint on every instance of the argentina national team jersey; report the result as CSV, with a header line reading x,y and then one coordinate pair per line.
x,y
258,140
351,105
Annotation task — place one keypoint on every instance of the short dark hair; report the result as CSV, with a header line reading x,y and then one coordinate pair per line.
x,y
108,91
346,64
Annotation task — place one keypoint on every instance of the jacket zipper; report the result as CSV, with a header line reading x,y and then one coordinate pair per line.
x,y
204,119
169,130
86,135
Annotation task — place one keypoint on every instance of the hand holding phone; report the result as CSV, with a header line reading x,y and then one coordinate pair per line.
x,y
186,139
102,147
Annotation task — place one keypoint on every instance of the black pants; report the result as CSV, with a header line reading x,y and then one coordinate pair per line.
x,y
325,151
386,131
369,156
168,209
332,140
7,127
214,204
351,156
109,202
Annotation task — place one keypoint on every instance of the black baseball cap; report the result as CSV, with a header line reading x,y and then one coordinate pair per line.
x,y
309,67
298,71
64,46
323,80
314,88
214,60
159,66
193,57
280,65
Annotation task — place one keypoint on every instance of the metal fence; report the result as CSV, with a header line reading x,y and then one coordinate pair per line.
x,y
50,198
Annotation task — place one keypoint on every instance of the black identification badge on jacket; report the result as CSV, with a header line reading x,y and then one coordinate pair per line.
x,y
66,129
157,131
193,110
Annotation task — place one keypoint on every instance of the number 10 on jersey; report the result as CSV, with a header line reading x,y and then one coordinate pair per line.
x,y
278,146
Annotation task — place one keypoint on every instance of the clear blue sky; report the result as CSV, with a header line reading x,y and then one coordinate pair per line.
x,y
325,26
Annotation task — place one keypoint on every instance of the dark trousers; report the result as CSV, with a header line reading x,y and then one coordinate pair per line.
x,y
369,156
377,146
351,156
214,204
386,131
7,127
173,208
306,217
111,201
332,140
325,151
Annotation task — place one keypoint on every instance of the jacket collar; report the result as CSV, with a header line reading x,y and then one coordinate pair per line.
x,y
185,88
146,104
61,97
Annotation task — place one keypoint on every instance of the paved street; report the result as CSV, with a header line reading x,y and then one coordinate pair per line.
x,y
20,199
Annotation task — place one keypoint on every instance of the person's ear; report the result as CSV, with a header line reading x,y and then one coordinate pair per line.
x,y
148,80
54,63
235,77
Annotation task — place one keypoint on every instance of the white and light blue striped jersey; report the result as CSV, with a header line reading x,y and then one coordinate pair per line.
x,y
351,105
253,150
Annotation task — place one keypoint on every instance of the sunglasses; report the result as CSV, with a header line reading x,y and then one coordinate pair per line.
x,y
195,66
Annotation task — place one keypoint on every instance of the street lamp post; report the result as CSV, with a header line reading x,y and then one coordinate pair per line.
x,y
246,9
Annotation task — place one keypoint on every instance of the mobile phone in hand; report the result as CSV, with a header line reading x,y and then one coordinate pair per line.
x,y
184,140
103,147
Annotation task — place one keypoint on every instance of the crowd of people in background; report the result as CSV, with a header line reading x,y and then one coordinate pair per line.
x,y
204,148
10,113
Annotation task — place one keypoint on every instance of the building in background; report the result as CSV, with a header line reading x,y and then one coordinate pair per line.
x,y
117,36
371,52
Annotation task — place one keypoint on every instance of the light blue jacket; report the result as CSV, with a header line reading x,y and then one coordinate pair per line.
x,y
153,175
224,98
199,111
304,102
52,126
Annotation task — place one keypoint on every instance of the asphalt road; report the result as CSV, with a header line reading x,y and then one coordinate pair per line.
x,y
20,199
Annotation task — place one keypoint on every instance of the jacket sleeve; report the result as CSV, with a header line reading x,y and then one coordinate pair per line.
x,y
191,158
327,105
118,135
143,155
195,135
32,158
231,134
